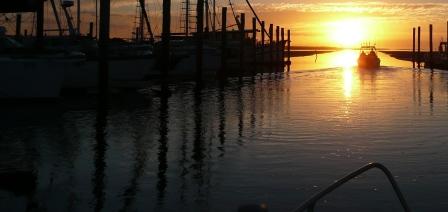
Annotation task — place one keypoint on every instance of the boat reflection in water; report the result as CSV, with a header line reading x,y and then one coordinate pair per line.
x,y
274,140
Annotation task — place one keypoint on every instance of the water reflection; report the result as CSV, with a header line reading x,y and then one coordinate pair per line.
x,y
348,82
163,149
100,148
309,125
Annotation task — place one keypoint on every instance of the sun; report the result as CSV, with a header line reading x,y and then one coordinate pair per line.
x,y
348,33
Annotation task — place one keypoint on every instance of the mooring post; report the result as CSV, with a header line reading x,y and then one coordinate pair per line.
x,y
430,47
413,47
25,33
40,23
242,38
166,36
282,61
254,40
289,48
91,29
271,46
199,39
277,48
223,42
262,43
103,42
418,48
18,24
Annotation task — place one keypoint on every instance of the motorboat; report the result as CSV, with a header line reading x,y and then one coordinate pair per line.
x,y
368,58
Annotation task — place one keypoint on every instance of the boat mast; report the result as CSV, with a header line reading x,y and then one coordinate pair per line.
x,y
146,18
256,16
214,16
65,6
96,18
187,17
207,9
78,16
56,16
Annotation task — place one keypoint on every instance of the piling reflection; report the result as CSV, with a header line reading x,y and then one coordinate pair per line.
x,y
222,120
163,149
100,148
190,156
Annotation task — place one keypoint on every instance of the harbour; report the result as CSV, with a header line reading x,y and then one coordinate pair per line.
x,y
208,105
232,151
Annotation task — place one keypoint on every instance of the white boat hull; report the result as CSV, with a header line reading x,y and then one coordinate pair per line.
x,y
32,78
84,74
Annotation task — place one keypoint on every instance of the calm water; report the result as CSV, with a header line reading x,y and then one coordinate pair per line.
x,y
276,140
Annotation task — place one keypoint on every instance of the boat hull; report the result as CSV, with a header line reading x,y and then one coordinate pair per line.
x,y
32,78
371,63
84,74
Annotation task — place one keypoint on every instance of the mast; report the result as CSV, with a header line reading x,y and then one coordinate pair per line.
x,y
96,18
78,16
69,21
187,17
146,19
214,16
256,16
56,16
207,9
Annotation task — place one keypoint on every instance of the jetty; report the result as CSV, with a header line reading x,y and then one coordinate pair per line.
x,y
432,58
246,46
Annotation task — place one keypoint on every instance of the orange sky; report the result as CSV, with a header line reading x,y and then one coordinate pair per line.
x,y
317,23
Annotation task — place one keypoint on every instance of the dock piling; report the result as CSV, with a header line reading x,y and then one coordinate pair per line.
x,y
430,47
277,48
91,29
254,48
282,47
418,47
289,47
262,42
413,47
166,34
103,42
271,46
242,38
18,24
199,39
223,42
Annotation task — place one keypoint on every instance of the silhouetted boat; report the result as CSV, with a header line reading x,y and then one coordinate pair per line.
x,y
368,61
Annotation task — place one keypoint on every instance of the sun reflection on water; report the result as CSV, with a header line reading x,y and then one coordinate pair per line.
x,y
348,82
347,60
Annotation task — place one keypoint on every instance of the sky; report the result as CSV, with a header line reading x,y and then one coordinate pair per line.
x,y
386,23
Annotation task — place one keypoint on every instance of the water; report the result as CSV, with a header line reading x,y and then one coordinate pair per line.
x,y
276,140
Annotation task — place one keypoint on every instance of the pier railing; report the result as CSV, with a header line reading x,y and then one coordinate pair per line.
x,y
310,204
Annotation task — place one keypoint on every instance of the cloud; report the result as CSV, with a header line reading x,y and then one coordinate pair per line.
x,y
409,11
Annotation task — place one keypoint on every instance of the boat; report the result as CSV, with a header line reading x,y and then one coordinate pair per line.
x,y
370,60
29,75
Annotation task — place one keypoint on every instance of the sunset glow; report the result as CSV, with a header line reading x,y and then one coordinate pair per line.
x,y
348,33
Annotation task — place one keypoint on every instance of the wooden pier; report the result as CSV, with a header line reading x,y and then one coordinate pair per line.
x,y
430,59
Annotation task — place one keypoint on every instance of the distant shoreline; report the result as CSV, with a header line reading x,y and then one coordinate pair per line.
x,y
304,53
401,55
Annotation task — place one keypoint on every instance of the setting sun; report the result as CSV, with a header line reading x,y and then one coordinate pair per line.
x,y
347,33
